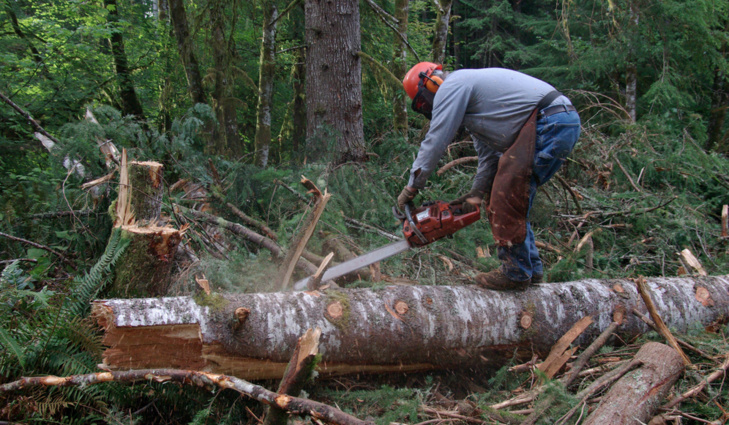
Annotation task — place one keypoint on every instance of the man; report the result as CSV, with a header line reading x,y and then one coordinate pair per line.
x,y
522,129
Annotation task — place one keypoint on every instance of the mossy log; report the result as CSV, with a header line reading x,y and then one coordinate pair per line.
x,y
400,328
144,268
145,181
637,395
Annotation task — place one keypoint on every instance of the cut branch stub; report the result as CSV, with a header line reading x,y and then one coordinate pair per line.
x,y
525,321
704,296
240,315
335,310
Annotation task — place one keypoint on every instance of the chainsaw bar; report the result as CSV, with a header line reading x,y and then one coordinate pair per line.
x,y
356,263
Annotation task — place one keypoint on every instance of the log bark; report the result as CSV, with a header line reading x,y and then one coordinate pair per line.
x,y
400,328
638,394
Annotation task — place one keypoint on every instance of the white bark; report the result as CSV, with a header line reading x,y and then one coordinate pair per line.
x,y
410,327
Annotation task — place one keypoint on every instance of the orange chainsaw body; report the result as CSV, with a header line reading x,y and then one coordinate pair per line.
x,y
436,220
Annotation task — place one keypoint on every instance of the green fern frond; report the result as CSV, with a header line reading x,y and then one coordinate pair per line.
x,y
88,287
12,346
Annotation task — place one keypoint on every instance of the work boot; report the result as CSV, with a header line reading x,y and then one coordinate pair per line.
x,y
537,278
498,281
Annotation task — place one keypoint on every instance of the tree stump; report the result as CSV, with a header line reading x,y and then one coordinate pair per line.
x,y
146,184
144,268
637,395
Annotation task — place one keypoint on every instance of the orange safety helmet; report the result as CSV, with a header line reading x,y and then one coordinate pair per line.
x,y
413,77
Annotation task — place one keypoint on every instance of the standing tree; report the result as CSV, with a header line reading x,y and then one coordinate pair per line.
x,y
129,101
334,81
265,83
399,102
178,16
440,33
226,141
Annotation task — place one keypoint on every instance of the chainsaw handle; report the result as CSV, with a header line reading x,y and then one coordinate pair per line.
x,y
409,216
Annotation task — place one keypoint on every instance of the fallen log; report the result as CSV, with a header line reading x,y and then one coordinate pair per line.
x,y
638,394
399,328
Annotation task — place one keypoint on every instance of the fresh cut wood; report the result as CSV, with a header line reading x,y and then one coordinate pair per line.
x,y
398,328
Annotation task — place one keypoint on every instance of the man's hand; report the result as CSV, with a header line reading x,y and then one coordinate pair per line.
x,y
407,195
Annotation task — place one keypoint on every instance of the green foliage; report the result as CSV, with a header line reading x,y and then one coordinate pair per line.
x,y
44,333
385,404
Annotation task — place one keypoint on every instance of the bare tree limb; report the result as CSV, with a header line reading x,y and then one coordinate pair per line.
x,y
390,21
719,373
30,119
43,247
292,405
662,328
248,234
455,162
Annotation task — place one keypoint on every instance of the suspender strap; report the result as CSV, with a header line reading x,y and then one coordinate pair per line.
x,y
548,99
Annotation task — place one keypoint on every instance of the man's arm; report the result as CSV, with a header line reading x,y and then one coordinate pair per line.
x,y
451,102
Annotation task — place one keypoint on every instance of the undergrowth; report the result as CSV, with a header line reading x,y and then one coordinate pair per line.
x,y
630,199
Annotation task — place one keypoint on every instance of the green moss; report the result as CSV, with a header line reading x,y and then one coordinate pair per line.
x,y
343,322
214,301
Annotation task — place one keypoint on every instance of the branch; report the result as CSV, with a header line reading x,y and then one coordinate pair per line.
x,y
286,10
30,119
243,231
37,245
455,162
660,324
572,193
719,373
384,16
299,242
582,360
292,405
374,62
630,179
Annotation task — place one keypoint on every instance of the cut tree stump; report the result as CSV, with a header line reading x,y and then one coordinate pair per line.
x,y
144,268
635,398
398,328
146,184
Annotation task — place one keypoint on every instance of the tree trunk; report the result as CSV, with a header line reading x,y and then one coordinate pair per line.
x,y
226,139
398,328
400,100
637,395
631,69
187,56
129,100
333,81
440,36
717,114
144,268
265,83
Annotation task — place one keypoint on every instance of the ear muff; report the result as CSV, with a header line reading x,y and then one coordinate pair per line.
x,y
432,83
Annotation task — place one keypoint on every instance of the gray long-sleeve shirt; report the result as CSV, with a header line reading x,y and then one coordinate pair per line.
x,y
492,104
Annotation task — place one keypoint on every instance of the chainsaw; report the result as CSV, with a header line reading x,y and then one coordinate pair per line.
x,y
421,226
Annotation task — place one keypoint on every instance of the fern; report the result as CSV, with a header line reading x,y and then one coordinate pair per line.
x,y
56,337
88,287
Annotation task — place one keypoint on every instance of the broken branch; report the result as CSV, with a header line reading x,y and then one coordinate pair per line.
x,y
293,405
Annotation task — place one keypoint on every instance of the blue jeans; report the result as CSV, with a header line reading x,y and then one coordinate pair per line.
x,y
556,136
